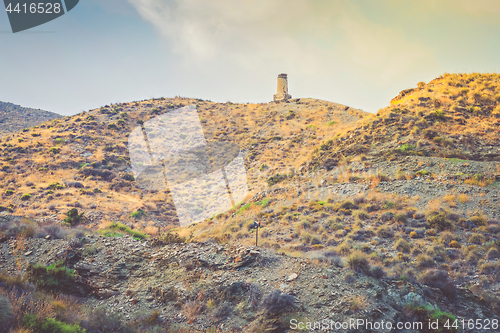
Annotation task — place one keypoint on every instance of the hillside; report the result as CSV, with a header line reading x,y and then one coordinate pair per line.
x,y
83,160
391,216
14,118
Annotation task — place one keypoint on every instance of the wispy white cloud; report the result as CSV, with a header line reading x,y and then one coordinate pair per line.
x,y
315,40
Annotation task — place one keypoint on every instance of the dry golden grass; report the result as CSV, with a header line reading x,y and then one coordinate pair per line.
x,y
463,198
434,204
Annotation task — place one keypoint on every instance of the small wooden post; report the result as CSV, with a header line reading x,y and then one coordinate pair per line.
x,y
257,236
257,226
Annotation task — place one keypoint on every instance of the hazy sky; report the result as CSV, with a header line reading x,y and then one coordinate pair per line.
x,y
358,53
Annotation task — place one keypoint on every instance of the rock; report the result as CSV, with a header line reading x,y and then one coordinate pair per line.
x,y
292,277
28,253
48,237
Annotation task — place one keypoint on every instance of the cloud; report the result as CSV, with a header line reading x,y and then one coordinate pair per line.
x,y
320,42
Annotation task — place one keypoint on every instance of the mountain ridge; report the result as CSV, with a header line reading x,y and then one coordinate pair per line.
x,y
14,118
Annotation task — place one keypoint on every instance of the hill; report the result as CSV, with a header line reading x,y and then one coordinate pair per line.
x,y
390,216
14,118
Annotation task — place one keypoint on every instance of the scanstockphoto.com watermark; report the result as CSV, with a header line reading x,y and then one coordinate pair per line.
x,y
362,324
354,323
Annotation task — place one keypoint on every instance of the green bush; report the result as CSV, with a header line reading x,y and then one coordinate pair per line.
x,y
55,186
406,148
54,150
72,217
124,228
422,173
55,277
439,114
50,325
138,214
26,197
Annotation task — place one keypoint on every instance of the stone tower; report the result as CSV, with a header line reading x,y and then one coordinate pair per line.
x,y
282,93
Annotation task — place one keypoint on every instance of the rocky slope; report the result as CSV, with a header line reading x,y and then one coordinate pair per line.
x,y
14,118
201,285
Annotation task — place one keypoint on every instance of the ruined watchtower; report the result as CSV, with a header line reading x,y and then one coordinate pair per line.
x,y
282,94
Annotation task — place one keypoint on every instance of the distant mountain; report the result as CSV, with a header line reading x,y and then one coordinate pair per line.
x,y
14,118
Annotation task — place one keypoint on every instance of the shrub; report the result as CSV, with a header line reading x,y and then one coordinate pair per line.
x,y
49,325
407,148
276,303
20,230
422,173
427,314
54,150
439,114
377,272
424,261
447,237
126,229
413,234
9,192
128,177
476,238
72,217
55,186
26,197
349,205
138,214
335,225
343,248
440,279
55,277
402,245
98,321
454,244
358,262
5,312
492,254
254,295
439,221
487,268
400,218
360,214
224,310
172,238
384,232
479,220
273,180
193,308
55,232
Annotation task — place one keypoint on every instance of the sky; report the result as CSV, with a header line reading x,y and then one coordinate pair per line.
x,y
358,53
